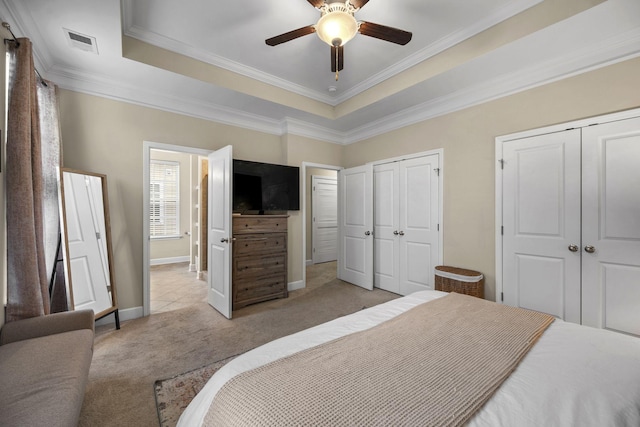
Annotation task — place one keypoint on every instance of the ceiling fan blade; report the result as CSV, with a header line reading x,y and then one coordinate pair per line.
x,y
339,58
390,34
357,3
282,38
316,3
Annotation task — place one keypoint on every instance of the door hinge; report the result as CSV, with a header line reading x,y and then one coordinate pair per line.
x,y
501,163
501,296
502,230
97,235
437,171
438,227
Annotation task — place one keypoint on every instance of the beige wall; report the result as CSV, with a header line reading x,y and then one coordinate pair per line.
x,y
106,136
309,209
172,248
468,140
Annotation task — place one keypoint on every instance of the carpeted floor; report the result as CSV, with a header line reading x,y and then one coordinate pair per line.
x,y
126,363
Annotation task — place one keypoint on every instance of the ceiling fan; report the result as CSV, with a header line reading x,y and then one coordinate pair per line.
x,y
337,25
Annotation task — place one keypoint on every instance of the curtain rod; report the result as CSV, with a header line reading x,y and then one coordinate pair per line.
x,y
15,39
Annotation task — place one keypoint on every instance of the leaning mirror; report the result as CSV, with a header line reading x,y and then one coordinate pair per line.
x,y
87,243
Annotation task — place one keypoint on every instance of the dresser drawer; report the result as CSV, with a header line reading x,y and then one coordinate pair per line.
x,y
255,267
247,292
259,224
259,244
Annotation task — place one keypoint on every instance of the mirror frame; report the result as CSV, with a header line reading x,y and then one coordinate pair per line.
x,y
107,225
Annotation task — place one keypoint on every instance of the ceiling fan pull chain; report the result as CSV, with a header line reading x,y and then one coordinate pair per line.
x,y
337,65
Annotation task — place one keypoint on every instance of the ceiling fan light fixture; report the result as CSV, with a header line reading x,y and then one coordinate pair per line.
x,y
337,25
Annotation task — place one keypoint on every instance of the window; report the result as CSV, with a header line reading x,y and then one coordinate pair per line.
x,y
164,199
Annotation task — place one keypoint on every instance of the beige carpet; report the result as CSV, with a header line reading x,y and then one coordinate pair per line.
x,y
126,363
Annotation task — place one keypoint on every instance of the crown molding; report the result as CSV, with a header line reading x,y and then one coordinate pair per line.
x,y
219,61
19,18
505,12
610,51
509,10
310,130
106,87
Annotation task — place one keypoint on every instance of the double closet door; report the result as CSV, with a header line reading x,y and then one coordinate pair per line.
x,y
406,222
571,218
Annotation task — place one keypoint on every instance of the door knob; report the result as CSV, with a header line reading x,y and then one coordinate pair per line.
x,y
367,233
589,249
223,240
395,233
573,248
401,233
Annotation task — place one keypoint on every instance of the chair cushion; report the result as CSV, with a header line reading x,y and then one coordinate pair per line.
x,y
42,380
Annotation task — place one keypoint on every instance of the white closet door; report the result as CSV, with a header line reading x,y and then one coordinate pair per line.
x,y
611,226
541,219
324,232
219,235
355,225
386,245
418,226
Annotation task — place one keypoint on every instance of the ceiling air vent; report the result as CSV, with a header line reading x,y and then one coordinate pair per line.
x,y
81,41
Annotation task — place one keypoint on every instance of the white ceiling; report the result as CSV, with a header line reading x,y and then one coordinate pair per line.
x,y
231,34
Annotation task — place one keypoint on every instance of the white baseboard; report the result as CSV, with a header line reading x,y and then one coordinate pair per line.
x,y
292,286
172,260
309,262
125,314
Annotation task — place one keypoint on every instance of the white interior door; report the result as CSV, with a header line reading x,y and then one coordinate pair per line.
x,y
324,204
418,227
386,217
219,225
355,225
89,273
611,226
541,219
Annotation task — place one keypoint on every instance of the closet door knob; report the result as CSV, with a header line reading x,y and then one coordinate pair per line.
x,y
395,233
589,249
367,233
573,248
401,233
223,240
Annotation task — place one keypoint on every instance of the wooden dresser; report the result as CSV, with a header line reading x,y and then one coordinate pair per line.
x,y
259,259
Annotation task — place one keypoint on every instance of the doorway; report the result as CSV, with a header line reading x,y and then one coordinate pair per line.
x,y
171,243
309,170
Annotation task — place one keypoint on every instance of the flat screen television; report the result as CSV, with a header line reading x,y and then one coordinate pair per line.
x,y
260,187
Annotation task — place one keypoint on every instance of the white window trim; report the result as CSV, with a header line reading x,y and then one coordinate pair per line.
x,y
178,234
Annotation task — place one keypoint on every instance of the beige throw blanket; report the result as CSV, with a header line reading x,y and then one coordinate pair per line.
x,y
434,365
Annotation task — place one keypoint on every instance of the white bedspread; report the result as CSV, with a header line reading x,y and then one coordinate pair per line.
x,y
573,376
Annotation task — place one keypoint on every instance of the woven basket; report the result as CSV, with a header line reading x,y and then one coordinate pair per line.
x,y
460,280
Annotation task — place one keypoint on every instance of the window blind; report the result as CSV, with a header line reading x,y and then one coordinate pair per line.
x,y
164,199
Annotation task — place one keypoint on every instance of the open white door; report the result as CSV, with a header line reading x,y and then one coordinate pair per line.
x,y
355,225
219,239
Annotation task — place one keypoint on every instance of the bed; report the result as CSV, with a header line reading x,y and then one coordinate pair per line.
x,y
570,375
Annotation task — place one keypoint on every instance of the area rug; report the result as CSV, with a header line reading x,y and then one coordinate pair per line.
x,y
173,395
